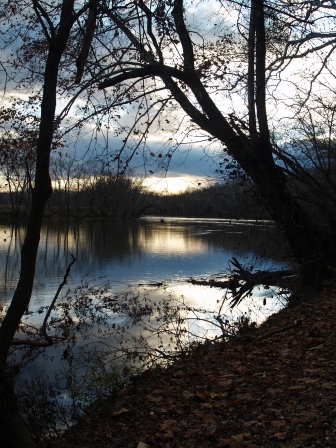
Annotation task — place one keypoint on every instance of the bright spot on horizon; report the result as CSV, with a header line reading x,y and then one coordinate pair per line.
x,y
174,184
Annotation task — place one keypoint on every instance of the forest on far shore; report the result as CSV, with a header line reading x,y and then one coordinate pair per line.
x,y
111,196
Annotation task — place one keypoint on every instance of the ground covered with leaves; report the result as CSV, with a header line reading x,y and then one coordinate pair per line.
x,y
273,388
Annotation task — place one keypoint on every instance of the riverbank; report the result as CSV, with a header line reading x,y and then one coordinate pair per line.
x,y
6,217
54,214
275,388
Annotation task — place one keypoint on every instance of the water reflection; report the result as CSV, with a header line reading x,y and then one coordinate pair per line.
x,y
128,254
134,251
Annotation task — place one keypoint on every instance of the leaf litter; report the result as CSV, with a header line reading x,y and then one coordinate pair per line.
x,y
277,391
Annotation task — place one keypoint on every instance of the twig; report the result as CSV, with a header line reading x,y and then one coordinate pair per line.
x,y
48,340
297,324
44,329
36,343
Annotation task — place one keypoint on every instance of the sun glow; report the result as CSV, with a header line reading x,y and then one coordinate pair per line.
x,y
174,184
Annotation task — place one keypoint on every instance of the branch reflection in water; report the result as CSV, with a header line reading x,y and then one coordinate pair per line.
x,y
124,314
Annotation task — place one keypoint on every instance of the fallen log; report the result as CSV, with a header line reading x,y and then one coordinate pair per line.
x,y
211,283
241,281
259,277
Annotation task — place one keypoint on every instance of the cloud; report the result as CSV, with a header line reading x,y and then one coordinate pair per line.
x,y
184,168
174,184
195,162
190,170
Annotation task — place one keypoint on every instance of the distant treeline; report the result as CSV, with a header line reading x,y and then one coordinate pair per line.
x,y
125,197
231,200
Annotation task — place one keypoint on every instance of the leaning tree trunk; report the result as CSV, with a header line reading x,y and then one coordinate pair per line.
x,y
292,219
254,153
267,176
13,432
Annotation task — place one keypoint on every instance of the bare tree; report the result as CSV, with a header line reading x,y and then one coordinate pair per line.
x,y
51,29
308,159
168,58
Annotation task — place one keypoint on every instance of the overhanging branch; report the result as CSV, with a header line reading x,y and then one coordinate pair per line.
x,y
144,72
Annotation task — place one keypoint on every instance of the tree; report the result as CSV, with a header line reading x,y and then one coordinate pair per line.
x,y
308,159
17,155
167,57
64,176
52,30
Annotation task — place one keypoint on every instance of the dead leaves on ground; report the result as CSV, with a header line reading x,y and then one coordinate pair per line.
x,y
279,392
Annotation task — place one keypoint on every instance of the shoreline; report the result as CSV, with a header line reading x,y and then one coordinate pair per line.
x,y
273,391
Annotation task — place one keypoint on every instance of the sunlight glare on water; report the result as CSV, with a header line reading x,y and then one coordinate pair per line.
x,y
134,251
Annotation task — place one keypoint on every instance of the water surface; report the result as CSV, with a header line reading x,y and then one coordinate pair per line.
x,y
136,251
132,256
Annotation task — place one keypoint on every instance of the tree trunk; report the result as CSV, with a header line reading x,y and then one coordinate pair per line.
x,y
254,153
269,178
292,219
13,433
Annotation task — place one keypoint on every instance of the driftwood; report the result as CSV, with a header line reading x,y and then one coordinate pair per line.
x,y
259,277
242,281
157,285
211,283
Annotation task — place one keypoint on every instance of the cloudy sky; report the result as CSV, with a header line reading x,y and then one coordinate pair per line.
x,y
188,168
193,169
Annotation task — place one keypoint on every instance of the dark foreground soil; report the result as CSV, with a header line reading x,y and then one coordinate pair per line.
x,y
276,390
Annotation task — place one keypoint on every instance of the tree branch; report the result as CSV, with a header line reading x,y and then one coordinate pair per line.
x,y
48,339
89,31
251,76
188,51
145,71
40,12
148,13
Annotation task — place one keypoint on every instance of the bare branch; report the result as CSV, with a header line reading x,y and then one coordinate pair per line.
x,y
89,31
188,51
148,13
145,71
42,14
67,272
48,339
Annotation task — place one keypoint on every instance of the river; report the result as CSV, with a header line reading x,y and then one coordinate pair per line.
x,y
135,251
139,270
